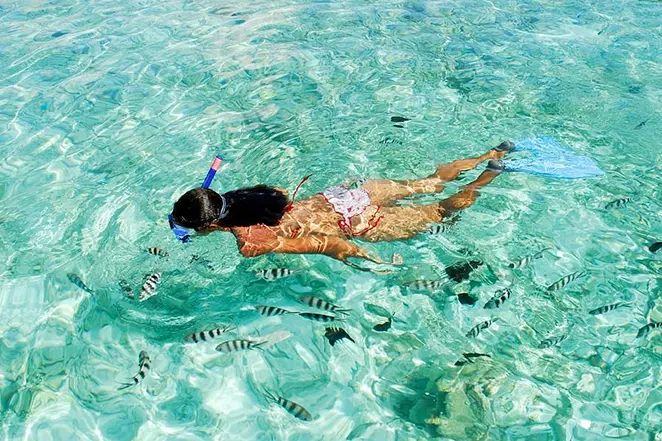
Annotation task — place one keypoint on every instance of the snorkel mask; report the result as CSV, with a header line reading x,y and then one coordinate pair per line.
x,y
181,233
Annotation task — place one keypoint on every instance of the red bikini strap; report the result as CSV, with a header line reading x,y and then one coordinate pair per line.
x,y
289,205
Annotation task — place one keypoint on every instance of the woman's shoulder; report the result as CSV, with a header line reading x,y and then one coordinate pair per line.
x,y
255,240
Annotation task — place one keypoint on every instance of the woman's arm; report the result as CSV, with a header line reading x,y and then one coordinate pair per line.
x,y
332,246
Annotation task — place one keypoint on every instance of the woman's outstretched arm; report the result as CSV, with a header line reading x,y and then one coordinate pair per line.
x,y
332,246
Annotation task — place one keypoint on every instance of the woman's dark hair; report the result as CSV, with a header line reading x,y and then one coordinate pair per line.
x,y
200,207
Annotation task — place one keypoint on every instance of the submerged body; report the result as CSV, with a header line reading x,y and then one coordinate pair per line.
x,y
327,223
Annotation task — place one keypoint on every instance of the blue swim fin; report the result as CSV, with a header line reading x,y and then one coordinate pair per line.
x,y
545,156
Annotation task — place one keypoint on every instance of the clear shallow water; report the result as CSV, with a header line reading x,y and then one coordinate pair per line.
x,y
109,111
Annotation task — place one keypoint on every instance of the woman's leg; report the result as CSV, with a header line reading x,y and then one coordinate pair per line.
x,y
468,195
384,191
399,223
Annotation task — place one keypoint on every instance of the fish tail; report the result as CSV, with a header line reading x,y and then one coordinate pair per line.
x,y
125,385
269,395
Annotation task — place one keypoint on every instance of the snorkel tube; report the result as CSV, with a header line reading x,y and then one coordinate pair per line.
x,y
181,233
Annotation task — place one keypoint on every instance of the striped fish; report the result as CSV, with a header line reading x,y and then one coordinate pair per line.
x,y
76,280
358,183
644,330
469,358
425,284
559,284
552,341
149,287
335,334
271,311
528,259
157,252
126,288
476,330
318,317
197,337
617,203
274,273
144,362
435,229
322,304
238,345
498,300
291,407
607,308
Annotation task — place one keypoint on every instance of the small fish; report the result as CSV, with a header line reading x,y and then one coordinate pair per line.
x,y
388,140
197,337
655,247
274,273
468,358
383,327
322,304
470,355
76,280
607,308
271,311
157,252
238,345
149,287
552,341
124,285
425,284
274,338
205,262
398,126
565,281
318,317
377,310
466,299
335,334
460,271
291,407
399,119
644,330
435,229
528,259
144,363
641,124
617,203
498,300
357,183
473,332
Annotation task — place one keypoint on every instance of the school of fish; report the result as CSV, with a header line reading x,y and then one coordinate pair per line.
x,y
335,313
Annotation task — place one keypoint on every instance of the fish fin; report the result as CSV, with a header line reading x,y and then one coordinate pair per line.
x,y
124,386
269,395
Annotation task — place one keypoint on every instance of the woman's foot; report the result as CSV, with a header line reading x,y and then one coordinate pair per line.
x,y
494,165
503,148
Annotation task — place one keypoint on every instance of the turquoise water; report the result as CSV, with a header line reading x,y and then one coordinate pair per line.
x,y
111,110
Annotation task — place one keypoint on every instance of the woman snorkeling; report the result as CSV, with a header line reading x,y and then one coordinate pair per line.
x,y
264,220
